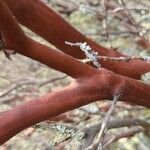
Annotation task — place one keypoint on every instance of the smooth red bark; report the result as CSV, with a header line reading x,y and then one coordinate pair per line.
x,y
89,84
48,24
103,85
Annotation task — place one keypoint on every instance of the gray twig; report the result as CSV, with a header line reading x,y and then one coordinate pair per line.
x,y
89,52
125,59
128,133
39,83
104,125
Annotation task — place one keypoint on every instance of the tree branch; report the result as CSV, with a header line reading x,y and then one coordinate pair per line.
x,y
92,131
125,134
45,22
90,84
79,93
15,39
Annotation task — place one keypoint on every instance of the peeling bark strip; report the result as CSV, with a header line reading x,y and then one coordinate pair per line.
x,y
89,84
45,22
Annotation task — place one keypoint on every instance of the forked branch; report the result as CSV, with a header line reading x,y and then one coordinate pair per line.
x,y
89,84
45,22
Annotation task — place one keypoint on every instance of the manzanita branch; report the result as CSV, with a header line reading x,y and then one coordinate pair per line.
x,y
79,93
89,84
16,39
45,22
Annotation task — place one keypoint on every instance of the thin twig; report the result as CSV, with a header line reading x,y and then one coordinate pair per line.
x,y
105,22
30,82
106,121
104,125
89,52
115,123
124,59
123,134
132,20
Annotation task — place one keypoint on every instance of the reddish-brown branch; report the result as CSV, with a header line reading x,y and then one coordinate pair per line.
x,y
90,84
48,24
80,92
15,39
66,64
